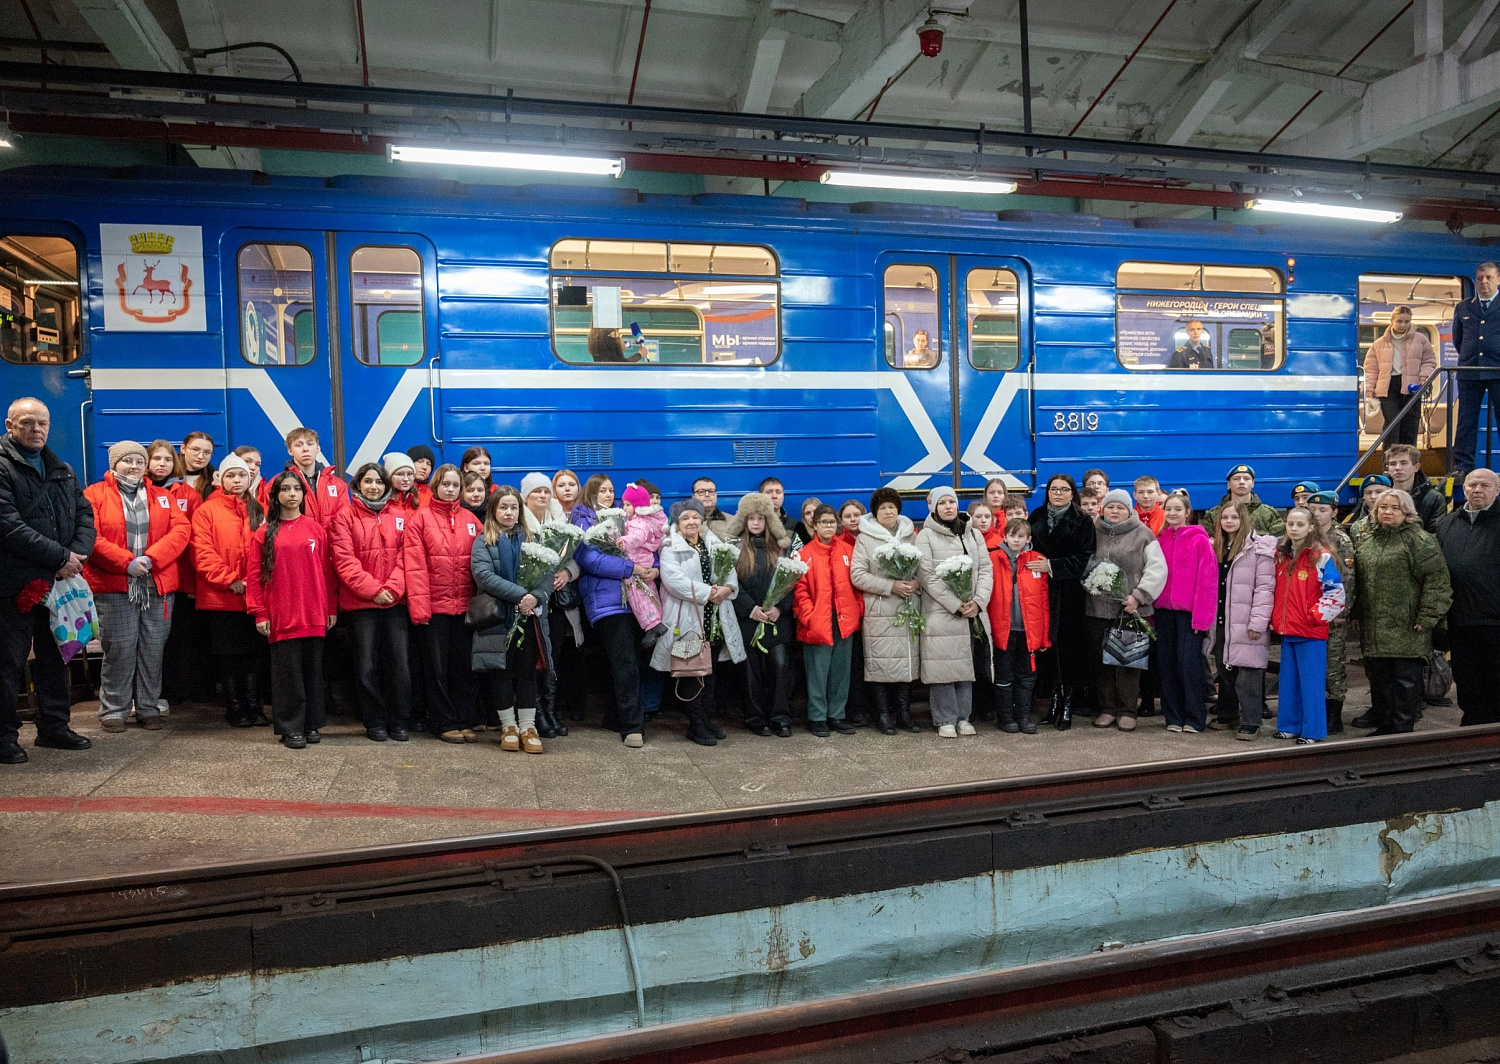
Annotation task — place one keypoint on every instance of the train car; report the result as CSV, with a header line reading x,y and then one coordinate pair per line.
x,y
843,347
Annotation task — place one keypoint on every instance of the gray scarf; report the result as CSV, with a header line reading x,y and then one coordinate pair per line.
x,y
137,533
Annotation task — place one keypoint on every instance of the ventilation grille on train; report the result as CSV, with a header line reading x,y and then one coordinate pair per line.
x,y
590,455
755,452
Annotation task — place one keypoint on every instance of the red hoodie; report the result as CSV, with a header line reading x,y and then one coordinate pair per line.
x,y
300,597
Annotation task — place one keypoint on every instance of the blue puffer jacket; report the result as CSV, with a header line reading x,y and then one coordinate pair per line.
x,y
599,584
495,568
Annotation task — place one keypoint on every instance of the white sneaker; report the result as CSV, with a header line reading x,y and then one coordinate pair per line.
x,y
947,731
162,707
1174,727
635,740
965,728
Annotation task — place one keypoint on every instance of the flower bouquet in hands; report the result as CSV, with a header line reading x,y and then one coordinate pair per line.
x,y
604,537
788,572
538,563
1105,580
900,561
614,516
560,536
957,575
721,559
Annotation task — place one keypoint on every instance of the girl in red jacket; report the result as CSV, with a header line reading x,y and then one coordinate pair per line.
x,y
403,473
183,677
1020,616
1309,594
828,614
435,554
221,540
289,590
133,572
365,541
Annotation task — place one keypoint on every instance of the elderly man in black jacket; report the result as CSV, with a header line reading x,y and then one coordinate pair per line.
x,y
1470,539
46,533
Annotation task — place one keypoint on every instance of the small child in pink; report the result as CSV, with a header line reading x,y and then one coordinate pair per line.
x,y
645,527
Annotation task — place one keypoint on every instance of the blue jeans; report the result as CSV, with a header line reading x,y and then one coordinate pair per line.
x,y
1466,433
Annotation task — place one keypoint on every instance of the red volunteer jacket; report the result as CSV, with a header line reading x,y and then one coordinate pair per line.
x,y
825,586
1309,593
221,538
1156,520
187,500
167,535
1036,609
366,549
300,597
435,554
323,501
408,503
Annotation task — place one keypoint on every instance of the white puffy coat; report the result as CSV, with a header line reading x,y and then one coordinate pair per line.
x,y
892,655
683,596
947,645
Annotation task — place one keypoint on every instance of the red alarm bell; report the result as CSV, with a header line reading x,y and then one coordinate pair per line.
x,y
930,35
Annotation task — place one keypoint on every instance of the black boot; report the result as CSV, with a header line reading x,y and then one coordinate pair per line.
x,y
236,709
546,721
1005,708
902,695
250,693
1046,708
1062,716
1025,709
881,698
1405,711
1335,716
700,728
1367,719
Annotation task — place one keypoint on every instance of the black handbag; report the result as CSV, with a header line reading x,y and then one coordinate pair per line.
x,y
483,612
1128,645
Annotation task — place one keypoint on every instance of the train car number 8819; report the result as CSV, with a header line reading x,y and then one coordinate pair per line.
x,y
1075,422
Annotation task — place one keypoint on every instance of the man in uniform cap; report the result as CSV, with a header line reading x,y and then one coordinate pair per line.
x,y
1240,480
1302,491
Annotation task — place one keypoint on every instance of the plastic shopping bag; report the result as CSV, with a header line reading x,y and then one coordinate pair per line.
x,y
75,621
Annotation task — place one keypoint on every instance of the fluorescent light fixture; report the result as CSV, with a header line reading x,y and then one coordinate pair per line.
x,y
915,183
7,138
1325,210
55,284
509,160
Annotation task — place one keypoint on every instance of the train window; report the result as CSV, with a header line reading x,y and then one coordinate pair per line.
x,y
913,322
277,323
1235,322
994,319
1431,300
693,304
39,300
386,297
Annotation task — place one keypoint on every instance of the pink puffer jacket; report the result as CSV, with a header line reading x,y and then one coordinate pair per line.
x,y
1249,595
1192,574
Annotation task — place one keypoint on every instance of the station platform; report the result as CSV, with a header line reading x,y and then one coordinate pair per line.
x,y
197,792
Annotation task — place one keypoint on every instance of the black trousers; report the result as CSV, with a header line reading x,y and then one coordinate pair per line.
x,y
1181,669
768,687
620,636
187,662
1013,670
1390,409
858,706
297,685
985,677
382,673
569,696
513,687
1475,650
20,633
447,645
1395,691
694,695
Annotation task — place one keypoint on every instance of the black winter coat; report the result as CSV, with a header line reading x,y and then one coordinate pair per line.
x,y
1068,546
752,593
1429,501
1472,550
41,518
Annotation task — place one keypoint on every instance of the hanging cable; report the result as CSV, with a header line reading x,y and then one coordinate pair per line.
x,y
203,53
640,46
1128,60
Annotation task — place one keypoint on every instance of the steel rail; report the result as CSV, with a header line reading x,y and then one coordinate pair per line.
x,y
250,885
869,1020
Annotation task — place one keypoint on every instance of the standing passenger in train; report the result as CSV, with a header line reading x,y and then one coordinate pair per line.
x,y
1241,640
506,666
324,491
947,660
1404,591
1396,366
1195,353
1064,535
290,590
1121,539
1240,482
1476,337
187,665
1185,616
1019,620
435,553
892,650
365,540
477,460
828,614
762,541
133,572
1403,465
222,528
1470,539
1324,506
423,461
1309,594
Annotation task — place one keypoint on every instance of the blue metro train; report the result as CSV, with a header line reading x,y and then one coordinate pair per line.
x,y
843,346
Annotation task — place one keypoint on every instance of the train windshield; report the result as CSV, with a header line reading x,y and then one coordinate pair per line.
x,y
39,300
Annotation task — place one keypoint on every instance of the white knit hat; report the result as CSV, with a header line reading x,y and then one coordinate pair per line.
x,y
232,461
531,481
398,460
937,494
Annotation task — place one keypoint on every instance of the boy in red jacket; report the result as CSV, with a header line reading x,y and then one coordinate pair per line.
x,y
828,615
1019,619
324,490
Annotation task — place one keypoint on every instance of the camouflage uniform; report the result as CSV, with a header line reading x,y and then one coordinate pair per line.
x,y
1337,686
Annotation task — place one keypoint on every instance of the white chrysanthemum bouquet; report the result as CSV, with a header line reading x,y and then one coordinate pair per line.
x,y
900,561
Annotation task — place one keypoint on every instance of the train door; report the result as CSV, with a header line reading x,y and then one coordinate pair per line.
x,y
952,327
1431,299
42,352
279,375
387,396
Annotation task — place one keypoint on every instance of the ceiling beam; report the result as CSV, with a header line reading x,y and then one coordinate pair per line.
x,y
1260,27
1308,79
715,8
876,44
1427,29
761,62
1060,39
1476,36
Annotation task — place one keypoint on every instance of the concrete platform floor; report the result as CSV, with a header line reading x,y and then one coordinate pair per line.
x,y
197,792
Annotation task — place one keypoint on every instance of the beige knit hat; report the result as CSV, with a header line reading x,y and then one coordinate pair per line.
x,y
123,448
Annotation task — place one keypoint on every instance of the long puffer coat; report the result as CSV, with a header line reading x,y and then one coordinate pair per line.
x,y
684,595
947,653
435,553
892,655
1403,581
1249,595
1067,545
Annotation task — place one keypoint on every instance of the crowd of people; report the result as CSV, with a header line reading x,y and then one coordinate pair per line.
x,y
455,606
